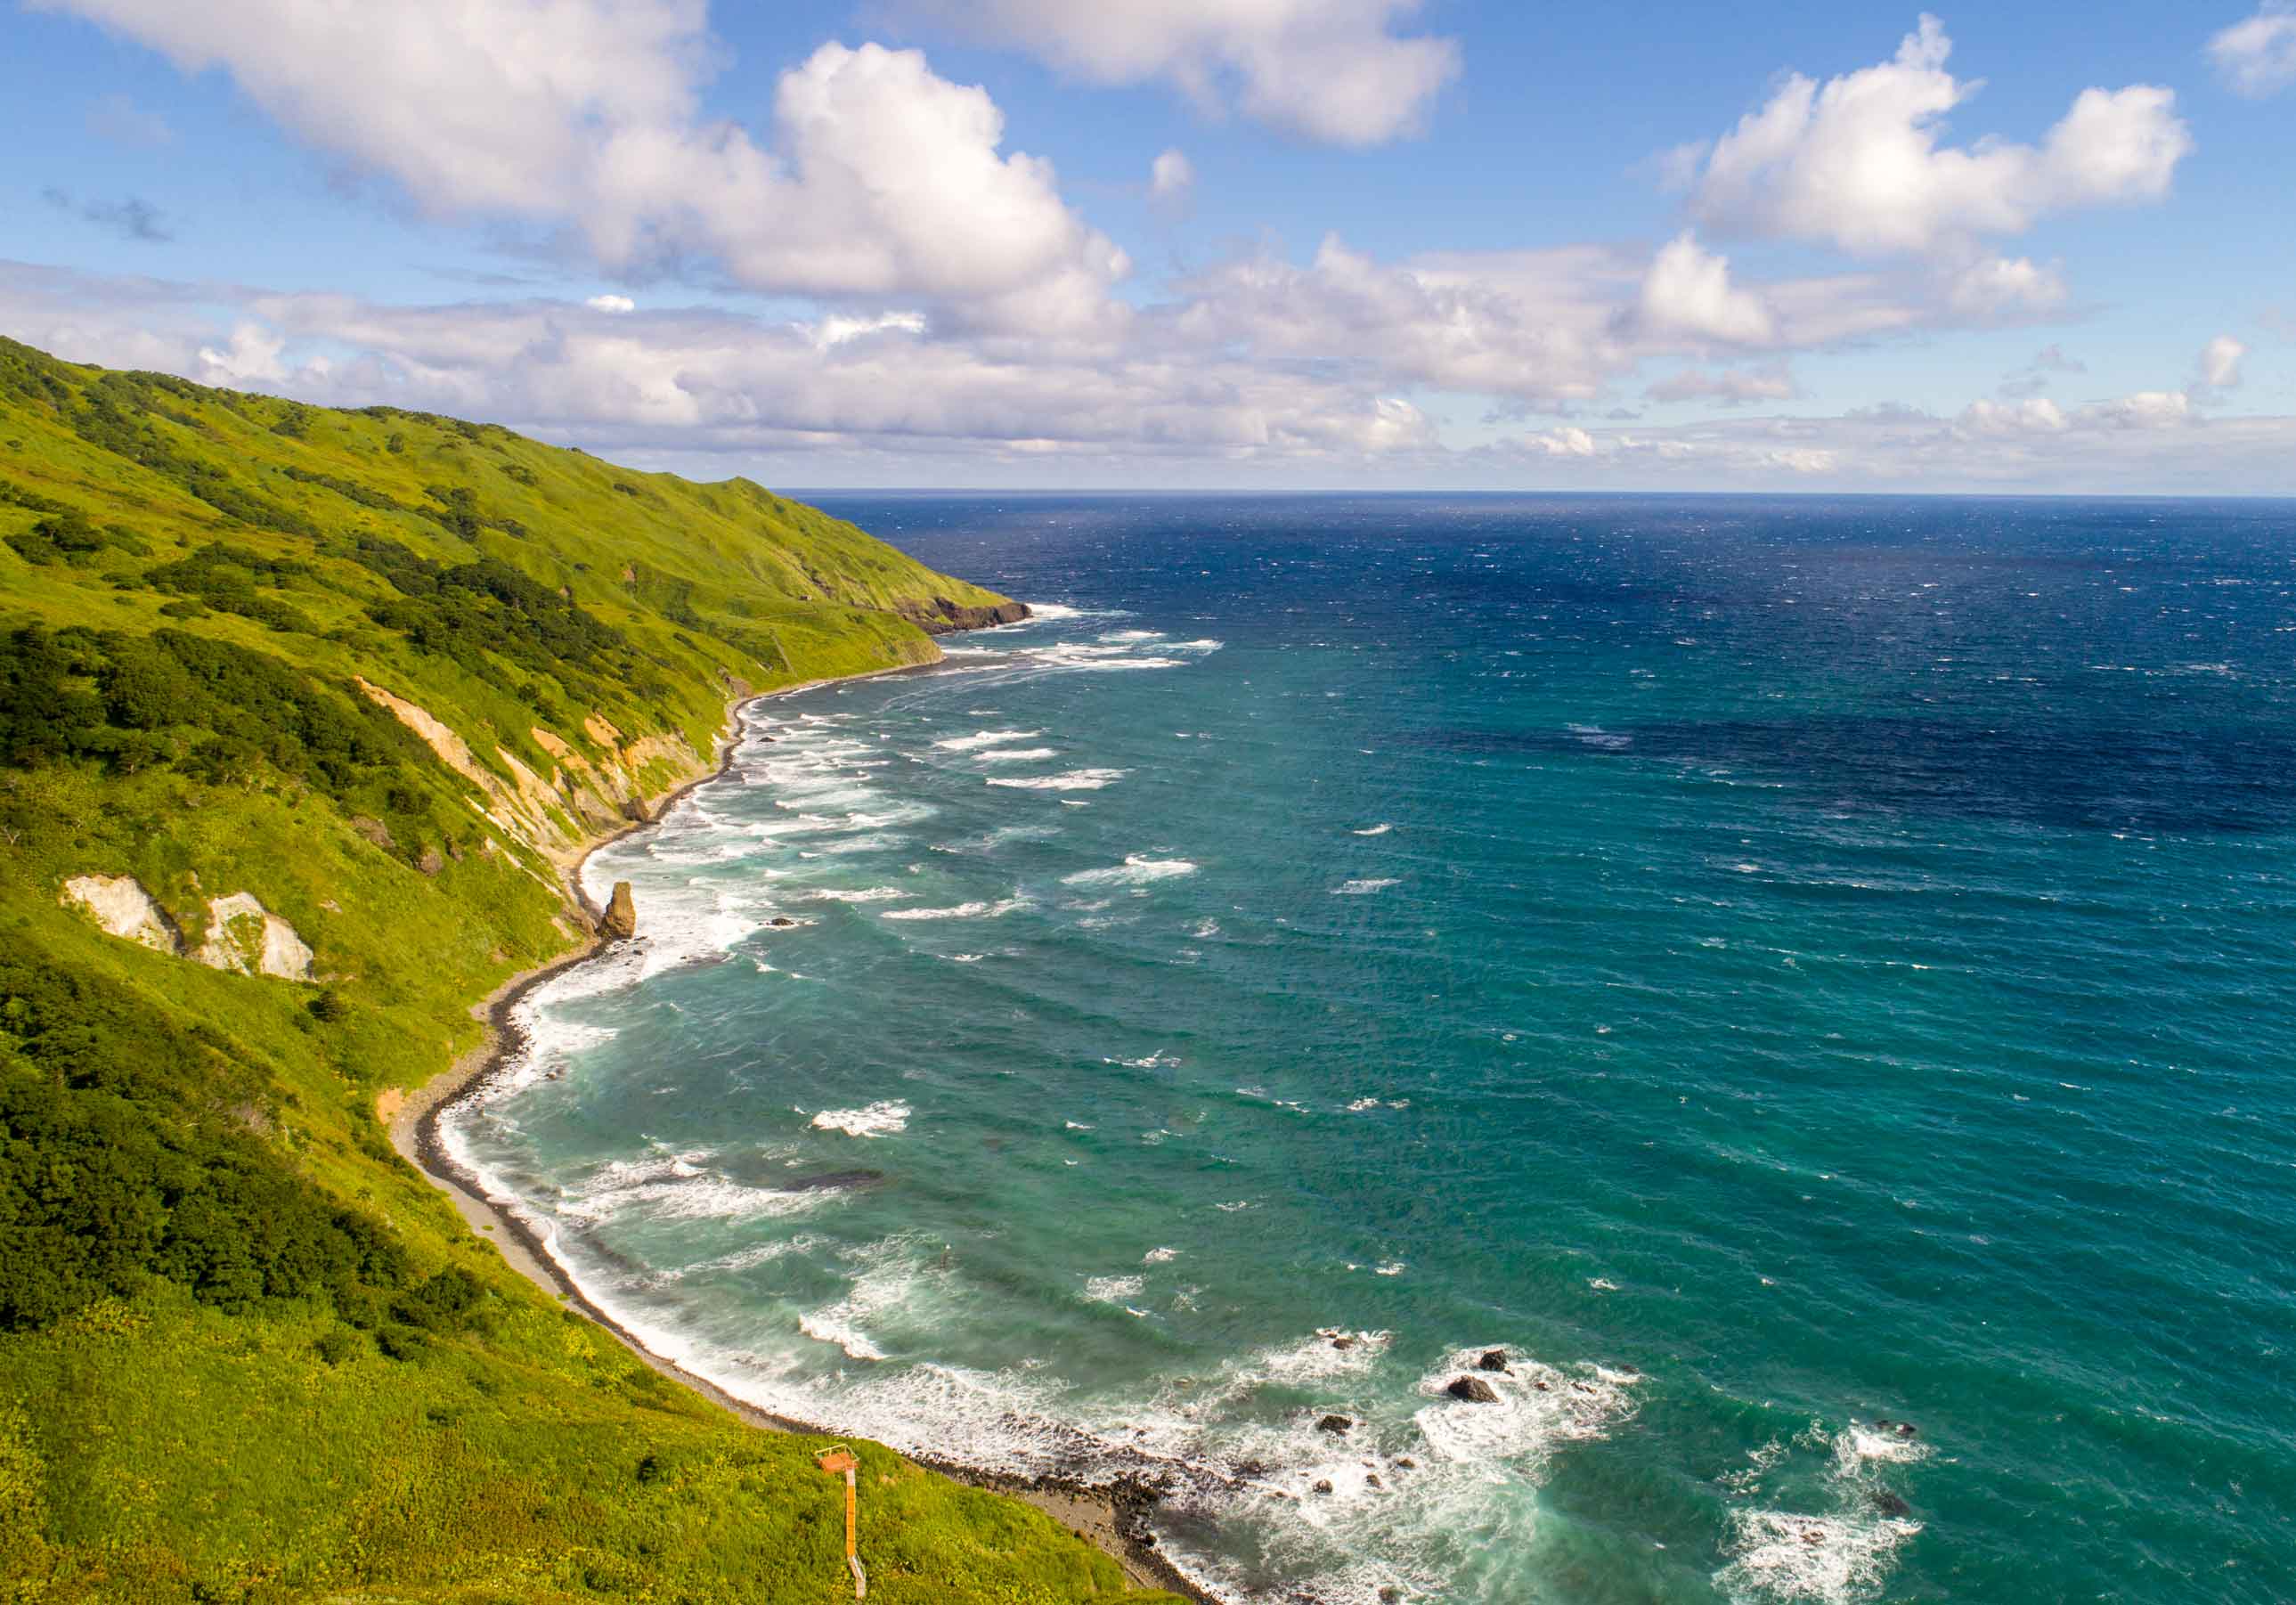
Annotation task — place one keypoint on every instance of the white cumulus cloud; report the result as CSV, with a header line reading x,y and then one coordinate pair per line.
x,y
1688,292
1859,161
2219,364
1334,70
1171,183
2256,56
880,178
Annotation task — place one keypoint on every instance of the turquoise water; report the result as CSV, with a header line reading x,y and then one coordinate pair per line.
x,y
1779,970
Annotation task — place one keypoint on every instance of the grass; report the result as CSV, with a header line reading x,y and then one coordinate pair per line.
x,y
164,1434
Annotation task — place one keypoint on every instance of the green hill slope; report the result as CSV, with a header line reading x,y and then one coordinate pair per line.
x,y
302,713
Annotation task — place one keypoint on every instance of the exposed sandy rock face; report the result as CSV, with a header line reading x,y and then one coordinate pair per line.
x,y
249,939
442,740
123,908
556,815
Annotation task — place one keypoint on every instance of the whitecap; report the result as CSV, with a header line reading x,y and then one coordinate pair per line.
x,y
868,894
877,1120
1380,829
984,738
962,910
1136,869
1362,888
1111,1289
1052,612
1073,780
1016,754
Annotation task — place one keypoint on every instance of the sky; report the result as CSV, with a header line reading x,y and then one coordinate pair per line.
x,y
1198,244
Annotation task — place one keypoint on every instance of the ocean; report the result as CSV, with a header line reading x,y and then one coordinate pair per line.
x,y
1807,981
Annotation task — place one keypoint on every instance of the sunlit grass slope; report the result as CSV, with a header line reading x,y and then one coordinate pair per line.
x,y
245,1351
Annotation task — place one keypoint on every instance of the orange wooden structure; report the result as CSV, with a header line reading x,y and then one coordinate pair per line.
x,y
839,1458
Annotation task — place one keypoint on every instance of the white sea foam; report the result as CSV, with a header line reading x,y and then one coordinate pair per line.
x,y
696,1196
877,1120
1538,1408
1112,1290
1053,612
1136,869
1157,1257
1363,888
1073,780
1016,754
1134,635
1074,655
1380,829
867,894
893,1275
984,738
1857,1445
961,910
1783,1557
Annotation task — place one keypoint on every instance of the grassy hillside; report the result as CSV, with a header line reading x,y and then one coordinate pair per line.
x,y
384,673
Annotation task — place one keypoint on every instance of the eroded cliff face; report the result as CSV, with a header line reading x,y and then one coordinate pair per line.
x,y
943,616
559,815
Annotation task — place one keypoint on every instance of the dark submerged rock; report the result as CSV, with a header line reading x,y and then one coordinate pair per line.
x,y
1475,1390
832,1180
1493,1360
1333,1423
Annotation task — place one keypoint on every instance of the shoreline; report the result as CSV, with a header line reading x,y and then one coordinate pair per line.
x,y
1113,1519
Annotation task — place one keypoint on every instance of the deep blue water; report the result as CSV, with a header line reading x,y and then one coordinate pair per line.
x,y
1775,968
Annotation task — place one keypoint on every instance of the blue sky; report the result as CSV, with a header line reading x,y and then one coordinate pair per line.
x,y
1453,245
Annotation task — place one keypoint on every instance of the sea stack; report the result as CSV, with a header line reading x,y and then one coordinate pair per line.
x,y
621,920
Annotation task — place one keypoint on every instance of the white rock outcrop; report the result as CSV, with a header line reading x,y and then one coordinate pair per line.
x,y
249,939
123,908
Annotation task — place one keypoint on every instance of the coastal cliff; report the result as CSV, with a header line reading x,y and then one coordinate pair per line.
x,y
335,702
942,616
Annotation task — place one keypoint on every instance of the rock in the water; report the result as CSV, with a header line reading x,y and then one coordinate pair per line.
x,y
1889,1503
781,921
1323,1485
1475,1390
1493,1360
123,908
941,615
1333,1423
247,938
620,923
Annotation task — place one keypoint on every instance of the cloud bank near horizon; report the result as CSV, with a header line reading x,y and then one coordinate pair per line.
x,y
931,295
